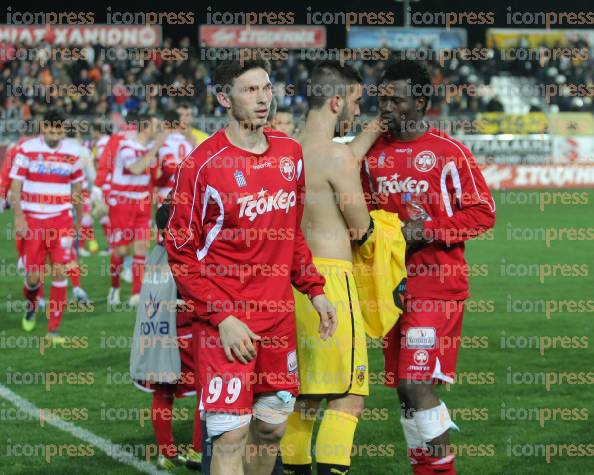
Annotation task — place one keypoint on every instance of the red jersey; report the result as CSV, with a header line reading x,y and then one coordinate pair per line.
x,y
47,175
443,177
234,239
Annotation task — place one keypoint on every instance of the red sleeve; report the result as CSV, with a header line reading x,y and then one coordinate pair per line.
x,y
106,160
304,275
168,167
471,211
183,238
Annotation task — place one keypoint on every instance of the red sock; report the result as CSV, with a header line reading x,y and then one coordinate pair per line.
x,y
424,464
57,302
197,439
137,273
32,293
74,274
106,226
162,424
115,268
20,244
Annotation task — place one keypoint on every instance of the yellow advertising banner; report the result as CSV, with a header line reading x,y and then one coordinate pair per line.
x,y
502,123
502,38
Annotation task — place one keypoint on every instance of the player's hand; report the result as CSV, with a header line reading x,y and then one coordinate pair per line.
x,y
237,339
20,223
161,138
413,232
327,312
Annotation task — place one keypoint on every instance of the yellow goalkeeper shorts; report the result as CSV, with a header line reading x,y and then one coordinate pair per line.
x,y
337,366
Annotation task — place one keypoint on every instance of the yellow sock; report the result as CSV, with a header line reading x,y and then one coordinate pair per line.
x,y
296,443
335,438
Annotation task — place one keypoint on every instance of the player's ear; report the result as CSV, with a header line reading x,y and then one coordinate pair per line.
x,y
421,104
335,104
223,100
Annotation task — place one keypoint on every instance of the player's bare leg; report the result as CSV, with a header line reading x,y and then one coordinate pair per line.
x,y
117,262
262,447
57,301
139,249
31,291
227,452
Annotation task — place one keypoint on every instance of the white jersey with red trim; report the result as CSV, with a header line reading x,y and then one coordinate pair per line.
x,y
174,150
125,184
47,175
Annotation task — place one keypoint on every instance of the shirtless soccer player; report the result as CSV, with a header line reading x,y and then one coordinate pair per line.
x,y
235,247
335,217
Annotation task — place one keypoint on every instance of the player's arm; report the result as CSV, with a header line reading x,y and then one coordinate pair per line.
x,y
148,160
183,236
304,275
348,192
472,209
20,223
77,203
18,174
363,142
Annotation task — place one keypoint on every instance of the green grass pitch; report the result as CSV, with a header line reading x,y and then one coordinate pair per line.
x,y
524,403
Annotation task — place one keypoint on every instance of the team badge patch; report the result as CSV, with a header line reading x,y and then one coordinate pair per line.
x,y
360,374
421,357
240,179
420,337
425,161
287,168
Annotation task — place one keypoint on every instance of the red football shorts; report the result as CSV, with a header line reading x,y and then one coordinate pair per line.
x,y
423,346
230,387
129,222
51,237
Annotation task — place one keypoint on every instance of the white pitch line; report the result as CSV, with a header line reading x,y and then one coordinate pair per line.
x,y
114,451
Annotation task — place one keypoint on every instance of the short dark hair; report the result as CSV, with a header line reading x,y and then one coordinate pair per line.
x,y
416,72
330,78
171,118
184,105
54,118
228,70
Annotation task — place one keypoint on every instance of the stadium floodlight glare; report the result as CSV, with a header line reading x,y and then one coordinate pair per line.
x,y
407,10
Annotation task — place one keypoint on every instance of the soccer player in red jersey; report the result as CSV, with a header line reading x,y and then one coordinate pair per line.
x,y
46,184
130,202
235,247
432,181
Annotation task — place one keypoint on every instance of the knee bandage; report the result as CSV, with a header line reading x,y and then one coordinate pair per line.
x,y
274,408
431,423
218,423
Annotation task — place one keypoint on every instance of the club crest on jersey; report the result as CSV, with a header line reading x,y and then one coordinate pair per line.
x,y
287,168
425,161
381,160
240,179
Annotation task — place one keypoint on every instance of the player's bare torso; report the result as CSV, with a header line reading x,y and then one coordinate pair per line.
x,y
323,224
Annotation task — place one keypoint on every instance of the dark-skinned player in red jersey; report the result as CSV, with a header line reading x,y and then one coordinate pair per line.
x,y
432,181
235,247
